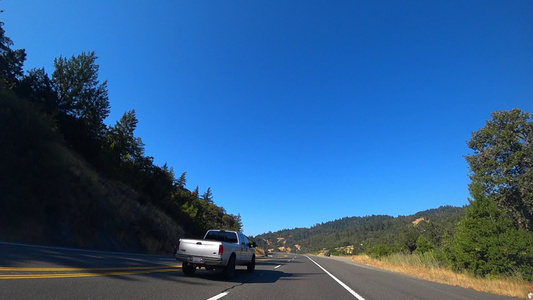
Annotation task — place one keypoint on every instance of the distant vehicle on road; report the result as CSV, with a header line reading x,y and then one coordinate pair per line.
x,y
219,250
327,254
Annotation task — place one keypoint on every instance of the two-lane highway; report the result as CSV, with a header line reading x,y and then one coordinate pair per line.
x,y
30,272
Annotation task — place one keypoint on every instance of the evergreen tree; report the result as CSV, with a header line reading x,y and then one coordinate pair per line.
x,y
182,181
487,242
208,196
80,94
196,192
11,61
409,238
122,141
423,244
37,88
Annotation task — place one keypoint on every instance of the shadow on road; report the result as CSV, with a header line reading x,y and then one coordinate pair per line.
x,y
243,276
17,255
26,256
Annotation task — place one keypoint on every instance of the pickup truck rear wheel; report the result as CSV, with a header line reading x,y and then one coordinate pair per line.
x,y
251,265
188,269
229,270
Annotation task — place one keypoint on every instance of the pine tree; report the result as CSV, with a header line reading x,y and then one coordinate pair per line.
x,y
208,196
11,61
80,94
182,181
122,141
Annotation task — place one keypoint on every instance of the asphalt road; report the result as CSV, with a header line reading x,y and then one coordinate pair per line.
x,y
30,272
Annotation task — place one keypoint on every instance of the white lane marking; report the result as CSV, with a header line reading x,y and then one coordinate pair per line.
x,y
218,296
356,295
278,266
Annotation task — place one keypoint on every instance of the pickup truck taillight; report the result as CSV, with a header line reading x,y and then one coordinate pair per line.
x,y
220,249
178,246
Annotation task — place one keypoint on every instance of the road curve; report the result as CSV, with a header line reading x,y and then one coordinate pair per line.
x,y
32,272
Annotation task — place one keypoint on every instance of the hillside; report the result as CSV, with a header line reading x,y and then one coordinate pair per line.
x,y
51,195
69,179
358,234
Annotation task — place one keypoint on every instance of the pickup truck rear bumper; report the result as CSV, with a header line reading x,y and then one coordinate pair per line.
x,y
199,260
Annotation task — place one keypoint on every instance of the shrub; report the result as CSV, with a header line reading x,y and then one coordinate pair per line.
x,y
379,251
424,245
488,244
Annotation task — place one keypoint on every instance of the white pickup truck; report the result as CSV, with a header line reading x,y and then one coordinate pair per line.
x,y
219,250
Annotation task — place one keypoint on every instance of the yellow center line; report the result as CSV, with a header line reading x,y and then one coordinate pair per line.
x,y
15,269
125,271
88,272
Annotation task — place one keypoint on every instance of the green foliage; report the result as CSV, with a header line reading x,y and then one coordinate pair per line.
x,y
434,233
80,94
37,88
196,192
182,181
208,195
502,163
363,233
190,210
496,235
70,180
379,251
487,243
122,143
423,245
11,61
410,237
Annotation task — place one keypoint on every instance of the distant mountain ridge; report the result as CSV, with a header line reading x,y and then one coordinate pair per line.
x,y
354,235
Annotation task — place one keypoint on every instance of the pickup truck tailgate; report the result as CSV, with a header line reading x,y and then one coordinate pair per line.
x,y
199,251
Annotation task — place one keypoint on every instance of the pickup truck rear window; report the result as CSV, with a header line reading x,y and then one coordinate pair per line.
x,y
229,237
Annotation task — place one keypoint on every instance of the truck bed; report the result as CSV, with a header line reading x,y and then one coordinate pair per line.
x,y
199,251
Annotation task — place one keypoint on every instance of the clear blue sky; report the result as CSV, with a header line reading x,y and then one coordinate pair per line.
x,y
300,112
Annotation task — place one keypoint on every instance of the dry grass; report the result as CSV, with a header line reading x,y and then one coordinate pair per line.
x,y
260,252
427,267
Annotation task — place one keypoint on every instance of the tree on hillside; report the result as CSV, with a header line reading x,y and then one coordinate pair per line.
x,y
502,163
11,61
37,88
409,238
123,144
196,191
182,181
208,196
233,222
80,94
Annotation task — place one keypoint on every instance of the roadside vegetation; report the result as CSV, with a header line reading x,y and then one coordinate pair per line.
x,y
260,252
68,179
428,267
487,245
